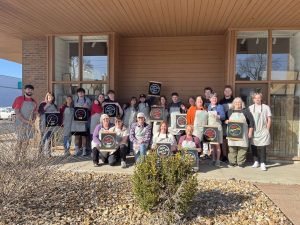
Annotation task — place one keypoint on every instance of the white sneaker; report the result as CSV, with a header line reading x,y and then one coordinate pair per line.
x,y
123,164
217,163
255,165
84,152
263,167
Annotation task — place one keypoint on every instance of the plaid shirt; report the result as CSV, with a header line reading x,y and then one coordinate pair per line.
x,y
145,139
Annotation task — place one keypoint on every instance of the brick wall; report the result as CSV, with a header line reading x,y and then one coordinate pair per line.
x,y
35,66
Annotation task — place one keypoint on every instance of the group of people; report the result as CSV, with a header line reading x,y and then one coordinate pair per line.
x,y
136,133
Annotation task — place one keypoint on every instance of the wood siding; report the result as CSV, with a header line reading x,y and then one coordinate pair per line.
x,y
182,64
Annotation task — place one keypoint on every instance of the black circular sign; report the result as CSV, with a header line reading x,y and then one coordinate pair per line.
x,y
210,134
163,150
235,130
80,114
154,89
52,120
181,121
108,141
110,110
156,113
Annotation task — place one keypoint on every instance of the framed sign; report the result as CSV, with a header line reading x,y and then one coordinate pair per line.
x,y
154,88
108,141
235,130
211,134
52,119
163,149
192,155
157,113
181,122
110,109
80,114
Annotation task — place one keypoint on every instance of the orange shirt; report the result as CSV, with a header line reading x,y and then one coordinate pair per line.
x,y
190,116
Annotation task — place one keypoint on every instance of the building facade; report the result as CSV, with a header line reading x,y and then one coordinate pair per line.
x,y
185,44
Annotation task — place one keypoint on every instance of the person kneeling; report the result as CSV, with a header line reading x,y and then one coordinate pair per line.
x,y
113,156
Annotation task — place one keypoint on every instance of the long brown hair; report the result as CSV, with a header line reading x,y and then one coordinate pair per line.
x,y
164,122
50,94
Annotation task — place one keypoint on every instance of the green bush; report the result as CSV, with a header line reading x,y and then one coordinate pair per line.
x,y
164,183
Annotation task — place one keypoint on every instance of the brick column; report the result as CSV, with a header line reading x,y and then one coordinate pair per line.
x,y
35,66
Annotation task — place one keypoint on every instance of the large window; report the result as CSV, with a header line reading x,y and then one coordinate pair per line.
x,y
285,55
251,56
80,61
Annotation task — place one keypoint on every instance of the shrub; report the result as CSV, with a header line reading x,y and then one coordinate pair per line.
x,y
165,183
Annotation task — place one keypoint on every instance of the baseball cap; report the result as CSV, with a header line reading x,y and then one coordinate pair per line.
x,y
140,114
29,86
103,116
142,96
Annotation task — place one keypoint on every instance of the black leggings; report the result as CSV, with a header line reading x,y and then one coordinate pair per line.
x,y
259,153
120,153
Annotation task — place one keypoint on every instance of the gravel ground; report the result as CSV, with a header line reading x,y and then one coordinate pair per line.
x,y
84,198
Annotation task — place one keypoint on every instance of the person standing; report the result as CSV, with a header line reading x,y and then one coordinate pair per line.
x,y
47,106
226,102
144,107
261,137
130,113
216,115
96,111
111,94
156,124
238,148
79,128
67,114
208,91
26,109
197,116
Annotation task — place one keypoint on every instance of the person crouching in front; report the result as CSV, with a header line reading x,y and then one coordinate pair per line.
x,y
140,135
113,156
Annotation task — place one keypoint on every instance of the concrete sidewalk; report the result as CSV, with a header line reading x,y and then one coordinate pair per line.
x,y
286,197
277,173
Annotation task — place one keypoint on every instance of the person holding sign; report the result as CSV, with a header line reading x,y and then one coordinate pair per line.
x,y
103,127
47,106
79,128
140,135
198,117
156,124
111,100
67,112
163,136
261,137
238,146
216,115
26,108
175,107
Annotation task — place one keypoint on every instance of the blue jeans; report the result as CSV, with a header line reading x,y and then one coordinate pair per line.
x,y
142,152
67,142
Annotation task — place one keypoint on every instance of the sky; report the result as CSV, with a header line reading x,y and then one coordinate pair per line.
x,y
10,68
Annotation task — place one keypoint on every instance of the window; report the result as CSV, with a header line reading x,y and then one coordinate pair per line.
x,y
251,56
80,61
285,55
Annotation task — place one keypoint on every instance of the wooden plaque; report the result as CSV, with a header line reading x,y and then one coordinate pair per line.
x,y
110,109
235,130
108,141
52,119
181,122
211,134
157,113
81,114
163,149
154,88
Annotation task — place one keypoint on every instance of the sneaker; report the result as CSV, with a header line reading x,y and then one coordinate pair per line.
x,y
96,164
217,163
240,166
123,164
230,165
263,167
212,163
77,151
255,165
84,152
